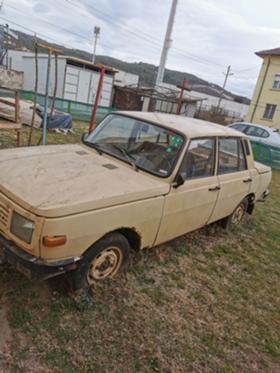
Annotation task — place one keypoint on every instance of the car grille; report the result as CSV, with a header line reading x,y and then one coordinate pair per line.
x,y
4,215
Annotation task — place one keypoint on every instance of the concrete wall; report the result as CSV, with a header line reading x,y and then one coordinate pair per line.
x,y
266,94
11,79
124,79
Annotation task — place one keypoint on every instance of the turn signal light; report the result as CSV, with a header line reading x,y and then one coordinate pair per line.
x,y
53,241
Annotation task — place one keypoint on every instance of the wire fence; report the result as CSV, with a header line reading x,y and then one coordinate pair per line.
x,y
266,154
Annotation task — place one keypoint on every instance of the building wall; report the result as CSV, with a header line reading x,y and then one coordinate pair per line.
x,y
28,66
81,85
265,94
124,79
74,83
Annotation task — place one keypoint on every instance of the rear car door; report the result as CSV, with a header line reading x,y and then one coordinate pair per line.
x,y
190,206
233,176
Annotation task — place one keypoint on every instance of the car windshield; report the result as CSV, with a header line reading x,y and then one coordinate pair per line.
x,y
144,145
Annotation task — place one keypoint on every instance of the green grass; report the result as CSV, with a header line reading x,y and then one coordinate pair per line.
x,y
8,138
205,302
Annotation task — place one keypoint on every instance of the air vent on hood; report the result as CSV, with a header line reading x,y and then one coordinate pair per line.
x,y
81,152
109,166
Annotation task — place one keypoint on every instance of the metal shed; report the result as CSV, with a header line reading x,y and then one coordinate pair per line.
x,y
77,78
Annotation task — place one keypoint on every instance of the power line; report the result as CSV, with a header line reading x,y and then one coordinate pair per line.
x,y
144,36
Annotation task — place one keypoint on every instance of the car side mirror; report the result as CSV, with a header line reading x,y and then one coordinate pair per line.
x,y
178,181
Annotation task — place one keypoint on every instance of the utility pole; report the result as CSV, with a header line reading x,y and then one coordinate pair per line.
x,y
167,43
227,74
96,37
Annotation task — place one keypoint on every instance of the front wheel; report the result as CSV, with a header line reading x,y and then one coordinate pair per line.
x,y
103,260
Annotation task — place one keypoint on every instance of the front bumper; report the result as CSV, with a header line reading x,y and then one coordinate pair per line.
x,y
31,266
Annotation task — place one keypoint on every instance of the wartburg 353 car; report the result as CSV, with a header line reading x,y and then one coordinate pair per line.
x,y
138,180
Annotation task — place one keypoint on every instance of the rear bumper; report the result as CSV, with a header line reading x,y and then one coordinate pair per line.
x,y
31,266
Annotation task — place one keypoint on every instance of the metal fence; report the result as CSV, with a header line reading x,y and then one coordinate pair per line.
x,y
78,110
266,154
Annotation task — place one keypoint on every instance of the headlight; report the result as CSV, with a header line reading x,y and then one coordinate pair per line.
x,y
22,227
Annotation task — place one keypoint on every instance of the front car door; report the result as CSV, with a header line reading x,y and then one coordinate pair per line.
x,y
233,176
190,206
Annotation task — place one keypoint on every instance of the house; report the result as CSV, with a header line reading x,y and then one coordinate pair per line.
x,y
265,105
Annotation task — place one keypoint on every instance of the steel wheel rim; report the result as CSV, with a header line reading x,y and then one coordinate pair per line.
x,y
105,264
238,214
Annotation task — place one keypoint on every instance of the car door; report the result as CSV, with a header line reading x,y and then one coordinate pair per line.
x,y
190,205
233,176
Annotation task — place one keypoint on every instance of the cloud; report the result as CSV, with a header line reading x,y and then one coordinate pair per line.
x,y
208,35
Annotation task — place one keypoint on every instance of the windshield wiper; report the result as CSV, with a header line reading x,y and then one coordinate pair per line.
x,y
97,147
127,155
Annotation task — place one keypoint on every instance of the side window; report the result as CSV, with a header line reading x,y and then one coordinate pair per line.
x,y
255,131
265,133
199,160
231,156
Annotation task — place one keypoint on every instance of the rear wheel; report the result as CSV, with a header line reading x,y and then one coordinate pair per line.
x,y
103,260
237,216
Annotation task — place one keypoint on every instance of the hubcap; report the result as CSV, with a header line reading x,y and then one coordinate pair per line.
x,y
238,214
105,264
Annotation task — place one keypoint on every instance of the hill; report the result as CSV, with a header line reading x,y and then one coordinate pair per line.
x,y
146,71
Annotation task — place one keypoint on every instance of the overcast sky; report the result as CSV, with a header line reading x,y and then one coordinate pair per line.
x,y
208,35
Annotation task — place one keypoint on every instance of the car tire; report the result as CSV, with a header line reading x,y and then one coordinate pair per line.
x,y
103,260
237,215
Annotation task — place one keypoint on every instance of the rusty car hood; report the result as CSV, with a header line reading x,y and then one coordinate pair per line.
x,y
59,180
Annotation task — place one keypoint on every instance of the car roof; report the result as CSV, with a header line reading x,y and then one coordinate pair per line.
x,y
189,126
269,129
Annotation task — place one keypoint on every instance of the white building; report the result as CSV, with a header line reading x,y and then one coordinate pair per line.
x,y
77,79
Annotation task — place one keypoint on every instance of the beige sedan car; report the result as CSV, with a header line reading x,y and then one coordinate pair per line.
x,y
138,180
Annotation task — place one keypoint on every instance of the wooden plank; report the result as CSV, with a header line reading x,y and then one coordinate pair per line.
x,y
6,102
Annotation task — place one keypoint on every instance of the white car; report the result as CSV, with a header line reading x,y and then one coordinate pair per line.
x,y
260,134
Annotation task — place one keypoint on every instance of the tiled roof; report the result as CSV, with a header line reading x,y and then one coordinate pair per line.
x,y
269,52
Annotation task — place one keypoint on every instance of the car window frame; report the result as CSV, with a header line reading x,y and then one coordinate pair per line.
x,y
185,154
244,155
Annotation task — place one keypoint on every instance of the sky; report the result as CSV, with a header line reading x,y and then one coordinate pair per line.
x,y
208,35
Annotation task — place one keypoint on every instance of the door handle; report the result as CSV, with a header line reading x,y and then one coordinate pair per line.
x,y
247,180
214,189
